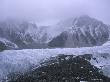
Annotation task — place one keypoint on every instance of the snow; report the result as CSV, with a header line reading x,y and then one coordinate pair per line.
x,y
21,60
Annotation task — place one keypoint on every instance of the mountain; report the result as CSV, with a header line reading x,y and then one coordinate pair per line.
x,y
84,32
23,34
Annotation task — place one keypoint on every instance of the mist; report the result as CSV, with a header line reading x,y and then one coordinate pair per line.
x,y
46,12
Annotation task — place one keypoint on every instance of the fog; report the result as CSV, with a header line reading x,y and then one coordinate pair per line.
x,y
51,11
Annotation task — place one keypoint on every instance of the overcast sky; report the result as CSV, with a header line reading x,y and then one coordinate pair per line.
x,y
50,11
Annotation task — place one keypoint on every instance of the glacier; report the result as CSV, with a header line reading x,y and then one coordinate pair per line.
x,y
22,60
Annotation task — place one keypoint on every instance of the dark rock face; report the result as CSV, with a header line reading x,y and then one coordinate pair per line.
x,y
58,41
2,46
85,32
64,68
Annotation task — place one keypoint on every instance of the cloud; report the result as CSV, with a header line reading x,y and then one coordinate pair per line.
x,y
51,10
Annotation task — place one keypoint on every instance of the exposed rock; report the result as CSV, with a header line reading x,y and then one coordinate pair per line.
x,y
2,46
63,68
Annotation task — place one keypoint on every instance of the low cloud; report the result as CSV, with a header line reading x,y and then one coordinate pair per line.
x,y
44,11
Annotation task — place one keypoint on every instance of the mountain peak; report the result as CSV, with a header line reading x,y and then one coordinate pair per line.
x,y
85,20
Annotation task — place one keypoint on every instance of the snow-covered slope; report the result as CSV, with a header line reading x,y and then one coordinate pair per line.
x,y
8,44
22,60
107,43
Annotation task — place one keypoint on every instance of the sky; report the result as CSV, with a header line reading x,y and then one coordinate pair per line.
x,y
51,11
